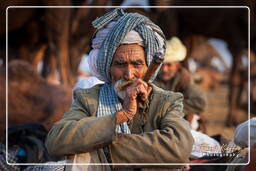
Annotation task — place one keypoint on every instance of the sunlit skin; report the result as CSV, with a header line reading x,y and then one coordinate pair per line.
x,y
168,70
129,63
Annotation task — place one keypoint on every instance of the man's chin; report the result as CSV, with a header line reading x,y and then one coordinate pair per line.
x,y
166,78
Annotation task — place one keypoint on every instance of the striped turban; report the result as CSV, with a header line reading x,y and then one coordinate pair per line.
x,y
116,28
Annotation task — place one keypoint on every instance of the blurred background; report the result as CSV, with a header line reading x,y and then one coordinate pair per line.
x,y
47,48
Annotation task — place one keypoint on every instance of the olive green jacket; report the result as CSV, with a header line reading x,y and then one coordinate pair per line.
x,y
164,138
195,100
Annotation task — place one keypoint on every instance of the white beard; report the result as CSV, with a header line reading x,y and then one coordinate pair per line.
x,y
121,94
119,88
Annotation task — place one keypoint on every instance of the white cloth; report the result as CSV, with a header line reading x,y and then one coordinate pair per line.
x,y
87,82
92,61
132,37
84,65
101,35
87,158
194,123
96,44
203,145
241,133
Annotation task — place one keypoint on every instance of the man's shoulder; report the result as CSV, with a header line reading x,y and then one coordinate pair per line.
x,y
87,92
166,94
195,91
163,100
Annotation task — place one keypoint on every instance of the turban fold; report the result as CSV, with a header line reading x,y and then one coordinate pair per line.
x,y
116,28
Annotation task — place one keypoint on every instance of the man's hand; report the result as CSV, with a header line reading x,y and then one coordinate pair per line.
x,y
137,88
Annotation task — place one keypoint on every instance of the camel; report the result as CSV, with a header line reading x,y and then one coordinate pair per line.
x,y
31,98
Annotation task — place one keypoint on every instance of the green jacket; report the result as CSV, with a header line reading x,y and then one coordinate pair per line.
x,y
165,137
195,101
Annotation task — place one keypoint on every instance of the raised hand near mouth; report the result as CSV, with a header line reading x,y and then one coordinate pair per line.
x,y
137,88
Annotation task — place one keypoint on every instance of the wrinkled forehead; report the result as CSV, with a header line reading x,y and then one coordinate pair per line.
x,y
126,52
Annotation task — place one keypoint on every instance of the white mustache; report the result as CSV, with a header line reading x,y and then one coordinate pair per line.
x,y
120,86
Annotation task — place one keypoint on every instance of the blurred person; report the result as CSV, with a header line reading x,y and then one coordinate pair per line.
x,y
241,139
105,123
174,77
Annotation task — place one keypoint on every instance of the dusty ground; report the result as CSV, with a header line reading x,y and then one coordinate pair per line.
x,y
216,113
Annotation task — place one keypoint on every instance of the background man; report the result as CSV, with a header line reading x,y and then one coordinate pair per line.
x,y
174,77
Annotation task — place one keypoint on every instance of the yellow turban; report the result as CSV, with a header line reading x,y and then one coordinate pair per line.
x,y
175,50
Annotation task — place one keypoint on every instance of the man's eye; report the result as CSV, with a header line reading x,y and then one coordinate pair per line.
x,y
119,63
137,64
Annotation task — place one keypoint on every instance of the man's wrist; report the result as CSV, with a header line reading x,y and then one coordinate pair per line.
x,y
121,117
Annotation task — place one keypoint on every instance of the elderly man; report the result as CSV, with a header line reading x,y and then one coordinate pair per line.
x,y
107,118
174,77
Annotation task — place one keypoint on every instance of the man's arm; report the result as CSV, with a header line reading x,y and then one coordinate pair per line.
x,y
195,100
78,131
172,143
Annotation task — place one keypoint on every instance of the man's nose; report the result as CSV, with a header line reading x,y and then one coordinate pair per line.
x,y
164,68
129,74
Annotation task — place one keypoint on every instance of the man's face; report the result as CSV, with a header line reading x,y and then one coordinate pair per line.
x,y
128,63
168,70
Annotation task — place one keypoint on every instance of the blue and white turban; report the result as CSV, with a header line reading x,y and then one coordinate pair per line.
x,y
116,28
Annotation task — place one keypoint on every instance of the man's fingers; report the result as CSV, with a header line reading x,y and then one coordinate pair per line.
x,y
143,92
145,84
149,89
138,82
139,87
